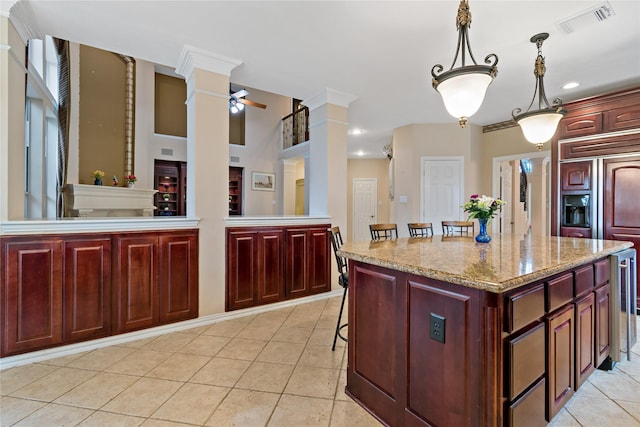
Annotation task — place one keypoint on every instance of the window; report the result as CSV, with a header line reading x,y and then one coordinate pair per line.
x,y
41,130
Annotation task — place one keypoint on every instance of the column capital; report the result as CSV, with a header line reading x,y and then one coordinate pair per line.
x,y
193,57
330,96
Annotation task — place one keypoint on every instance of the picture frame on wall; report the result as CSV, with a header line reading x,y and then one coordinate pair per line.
x,y
262,181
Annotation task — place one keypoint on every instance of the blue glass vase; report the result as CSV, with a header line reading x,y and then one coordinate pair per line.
x,y
483,237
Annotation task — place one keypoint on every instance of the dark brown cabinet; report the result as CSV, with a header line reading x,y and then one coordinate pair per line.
x,y
271,264
178,288
307,261
170,179
585,317
575,176
137,284
235,190
61,289
560,359
87,288
255,267
32,294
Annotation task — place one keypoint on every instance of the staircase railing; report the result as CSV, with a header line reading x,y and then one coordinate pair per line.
x,y
295,128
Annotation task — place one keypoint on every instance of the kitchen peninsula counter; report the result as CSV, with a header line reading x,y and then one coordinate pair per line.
x,y
444,331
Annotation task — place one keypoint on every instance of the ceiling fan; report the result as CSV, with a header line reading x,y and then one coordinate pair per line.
x,y
237,101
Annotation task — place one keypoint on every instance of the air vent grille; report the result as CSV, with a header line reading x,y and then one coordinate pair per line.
x,y
234,159
596,14
166,151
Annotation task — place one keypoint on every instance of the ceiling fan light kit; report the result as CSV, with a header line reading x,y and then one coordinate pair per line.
x,y
463,88
237,102
538,126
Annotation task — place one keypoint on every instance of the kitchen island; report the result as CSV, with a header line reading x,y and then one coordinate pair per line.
x,y
445,331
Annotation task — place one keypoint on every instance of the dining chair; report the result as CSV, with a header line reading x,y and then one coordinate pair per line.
x,y
458,227
420,229
343,280
383,231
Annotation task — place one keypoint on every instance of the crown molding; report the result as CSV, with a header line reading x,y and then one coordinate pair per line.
x,y
330,96
193,57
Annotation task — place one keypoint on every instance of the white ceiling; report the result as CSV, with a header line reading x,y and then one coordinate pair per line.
x,y
380,51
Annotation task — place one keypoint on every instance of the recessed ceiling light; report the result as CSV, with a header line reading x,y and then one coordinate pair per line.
x,y
571,85
356,131
360,153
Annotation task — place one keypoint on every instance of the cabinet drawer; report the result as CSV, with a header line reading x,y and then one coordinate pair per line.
x,y
622,118
559,292
584,281
524,307
602,269
529,409
526,360
587,124
583,233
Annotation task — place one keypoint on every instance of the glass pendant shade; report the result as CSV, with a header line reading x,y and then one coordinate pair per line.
x,y
463,88
463,94
539,128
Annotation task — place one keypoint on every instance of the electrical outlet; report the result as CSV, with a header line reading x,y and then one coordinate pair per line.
x,y
437,326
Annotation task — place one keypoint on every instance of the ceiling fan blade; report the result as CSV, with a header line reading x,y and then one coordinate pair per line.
x,y
252,103
240,94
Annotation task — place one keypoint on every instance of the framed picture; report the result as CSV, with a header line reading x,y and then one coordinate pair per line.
x,y
262,181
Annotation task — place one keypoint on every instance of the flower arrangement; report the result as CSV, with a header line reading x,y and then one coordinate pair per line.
x,y
97,174
484,207
130,179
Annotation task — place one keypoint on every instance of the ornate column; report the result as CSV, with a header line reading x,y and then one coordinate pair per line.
x,y
207,76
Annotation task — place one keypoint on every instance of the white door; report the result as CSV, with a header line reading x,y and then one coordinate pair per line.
x,y
442,189
365,201
506,191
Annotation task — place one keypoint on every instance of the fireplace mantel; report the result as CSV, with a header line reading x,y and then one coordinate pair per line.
x,y
83,200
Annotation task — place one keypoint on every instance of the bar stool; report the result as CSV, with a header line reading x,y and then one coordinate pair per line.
x,y
383,231
343,280
458,227
420,229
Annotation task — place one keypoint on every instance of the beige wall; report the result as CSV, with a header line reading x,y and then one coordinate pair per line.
x,y
368,168
102,115
413,142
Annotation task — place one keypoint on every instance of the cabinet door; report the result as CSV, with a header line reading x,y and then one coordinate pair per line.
x,y
270,271
241,269
622,202
137,288
575,176
585,338
602,328
560,362
87,288
296,264
617,119
319,261
178,277
32,295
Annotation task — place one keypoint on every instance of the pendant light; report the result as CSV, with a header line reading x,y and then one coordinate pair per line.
x,y
463,88
538,126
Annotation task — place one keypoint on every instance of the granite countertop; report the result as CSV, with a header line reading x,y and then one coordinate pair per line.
x,y
505,263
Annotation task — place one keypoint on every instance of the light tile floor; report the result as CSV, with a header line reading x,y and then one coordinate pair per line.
x,y
269,369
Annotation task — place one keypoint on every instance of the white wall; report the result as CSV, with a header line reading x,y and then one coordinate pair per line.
x,y
261,149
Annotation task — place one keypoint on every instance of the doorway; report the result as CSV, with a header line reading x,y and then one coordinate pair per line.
x,y
365,202
442,186
524,182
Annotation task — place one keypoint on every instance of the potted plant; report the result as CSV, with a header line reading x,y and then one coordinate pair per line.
x,y
131,179
97,176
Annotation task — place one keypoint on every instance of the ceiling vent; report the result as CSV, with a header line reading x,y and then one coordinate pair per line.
x,y
596,14
234,159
